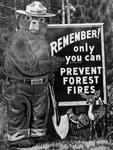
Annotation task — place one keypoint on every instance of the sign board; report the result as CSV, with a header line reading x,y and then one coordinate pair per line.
x,y
82,46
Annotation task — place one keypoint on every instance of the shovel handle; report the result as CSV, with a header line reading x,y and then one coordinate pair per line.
x,y
57,117
54,105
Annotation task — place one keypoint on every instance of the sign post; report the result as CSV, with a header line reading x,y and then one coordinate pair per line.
x,y
82,46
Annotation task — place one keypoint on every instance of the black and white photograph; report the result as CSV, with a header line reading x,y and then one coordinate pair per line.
x,y
56,75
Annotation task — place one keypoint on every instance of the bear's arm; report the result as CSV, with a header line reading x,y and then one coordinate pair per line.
x,y
24,59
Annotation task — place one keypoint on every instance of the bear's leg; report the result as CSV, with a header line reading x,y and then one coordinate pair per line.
x,y
19,113
40,109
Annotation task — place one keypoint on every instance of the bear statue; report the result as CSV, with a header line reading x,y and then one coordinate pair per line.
x,y
27,68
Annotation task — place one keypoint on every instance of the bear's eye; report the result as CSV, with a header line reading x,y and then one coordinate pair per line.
x,y
41,20
28,18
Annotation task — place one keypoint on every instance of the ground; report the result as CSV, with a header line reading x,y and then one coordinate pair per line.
x,y
72,144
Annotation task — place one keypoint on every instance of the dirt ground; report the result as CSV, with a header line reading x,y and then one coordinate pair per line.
x,y
72,144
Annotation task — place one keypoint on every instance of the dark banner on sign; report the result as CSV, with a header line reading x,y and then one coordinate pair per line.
x,y
82,46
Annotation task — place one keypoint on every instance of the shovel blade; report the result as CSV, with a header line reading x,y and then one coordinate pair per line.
x,y
63,127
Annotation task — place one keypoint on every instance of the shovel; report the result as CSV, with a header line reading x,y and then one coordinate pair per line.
x,y
61,123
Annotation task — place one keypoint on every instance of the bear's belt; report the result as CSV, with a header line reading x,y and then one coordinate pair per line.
x,y
34,81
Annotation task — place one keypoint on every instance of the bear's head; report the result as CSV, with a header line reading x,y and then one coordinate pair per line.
x,y
32,24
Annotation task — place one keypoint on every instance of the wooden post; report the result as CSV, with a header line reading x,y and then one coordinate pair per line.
x,y
63,12
68,11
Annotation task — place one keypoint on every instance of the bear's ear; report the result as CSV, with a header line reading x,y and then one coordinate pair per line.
x,y
22,23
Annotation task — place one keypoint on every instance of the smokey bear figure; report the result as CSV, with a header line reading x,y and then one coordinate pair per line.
x,y
27,67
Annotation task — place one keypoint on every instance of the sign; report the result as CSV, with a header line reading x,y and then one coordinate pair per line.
x,y
82,46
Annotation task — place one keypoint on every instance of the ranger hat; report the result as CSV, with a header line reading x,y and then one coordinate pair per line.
x,y
36,9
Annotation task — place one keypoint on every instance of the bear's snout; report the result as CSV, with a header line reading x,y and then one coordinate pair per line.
x,y
34,26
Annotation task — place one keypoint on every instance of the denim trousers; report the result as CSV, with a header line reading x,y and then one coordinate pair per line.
x,y
27,109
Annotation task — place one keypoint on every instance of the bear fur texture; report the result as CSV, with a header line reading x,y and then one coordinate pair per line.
x,y
27,58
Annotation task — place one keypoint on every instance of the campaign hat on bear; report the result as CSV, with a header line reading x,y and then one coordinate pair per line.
x,y
36,9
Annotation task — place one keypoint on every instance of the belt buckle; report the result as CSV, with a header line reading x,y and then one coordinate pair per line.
x,y
36,81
